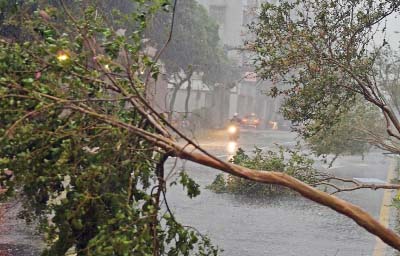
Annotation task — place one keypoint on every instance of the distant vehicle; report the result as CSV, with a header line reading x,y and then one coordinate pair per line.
x,y
236,119
250,120
233,132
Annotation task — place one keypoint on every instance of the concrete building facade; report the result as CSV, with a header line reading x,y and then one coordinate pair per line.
x,y
249,96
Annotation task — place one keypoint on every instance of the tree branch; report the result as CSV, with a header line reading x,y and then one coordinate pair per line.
x,y
360,216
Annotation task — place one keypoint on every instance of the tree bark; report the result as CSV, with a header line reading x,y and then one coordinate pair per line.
x,y
172,101
189,89
354,212
177,87
333,160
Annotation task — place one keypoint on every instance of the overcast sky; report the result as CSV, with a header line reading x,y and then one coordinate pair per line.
x,y
393,32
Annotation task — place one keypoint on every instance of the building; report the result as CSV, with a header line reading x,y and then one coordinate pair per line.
x,y
249,96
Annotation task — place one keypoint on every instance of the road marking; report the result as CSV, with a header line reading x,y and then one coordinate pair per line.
x,y
380,247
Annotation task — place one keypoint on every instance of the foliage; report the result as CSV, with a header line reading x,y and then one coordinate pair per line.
x,y
193,189
86,148
289,162
348,135
387,68
320,55
99,184
194,47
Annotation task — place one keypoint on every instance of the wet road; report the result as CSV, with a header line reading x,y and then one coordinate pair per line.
x,y
244,226
16,238
288,226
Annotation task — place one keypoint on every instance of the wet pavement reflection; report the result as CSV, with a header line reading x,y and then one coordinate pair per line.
x,y
247,226
290,225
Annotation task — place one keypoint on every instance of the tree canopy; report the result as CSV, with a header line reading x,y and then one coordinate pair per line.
x,y
322,55
195,45
350,134
102,186
86,149
194,48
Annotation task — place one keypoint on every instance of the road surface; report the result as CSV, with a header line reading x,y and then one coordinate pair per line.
x,y
245,226
286,226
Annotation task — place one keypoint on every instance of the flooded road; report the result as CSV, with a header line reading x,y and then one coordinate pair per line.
x,y
246,226
17,238
285,226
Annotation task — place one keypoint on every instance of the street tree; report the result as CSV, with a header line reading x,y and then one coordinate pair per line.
x,y
388,75
194,48
323,56
101,186
351,134
87,150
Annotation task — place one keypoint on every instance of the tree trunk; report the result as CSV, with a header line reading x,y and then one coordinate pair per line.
x,y
333,160
361,217
173,99
348,209
177,87
189,89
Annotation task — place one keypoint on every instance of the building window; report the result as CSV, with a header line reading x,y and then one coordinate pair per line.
x,y
218,13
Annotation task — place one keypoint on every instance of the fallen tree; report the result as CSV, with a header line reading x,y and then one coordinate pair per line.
x,y
200,156
72,107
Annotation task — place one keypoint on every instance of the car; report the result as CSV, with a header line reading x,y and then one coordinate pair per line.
x,y
250,120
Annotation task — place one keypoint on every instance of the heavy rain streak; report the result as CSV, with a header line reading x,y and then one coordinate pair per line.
x,y
199,127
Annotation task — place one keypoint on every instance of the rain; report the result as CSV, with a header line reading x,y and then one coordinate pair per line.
x,y
199,127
